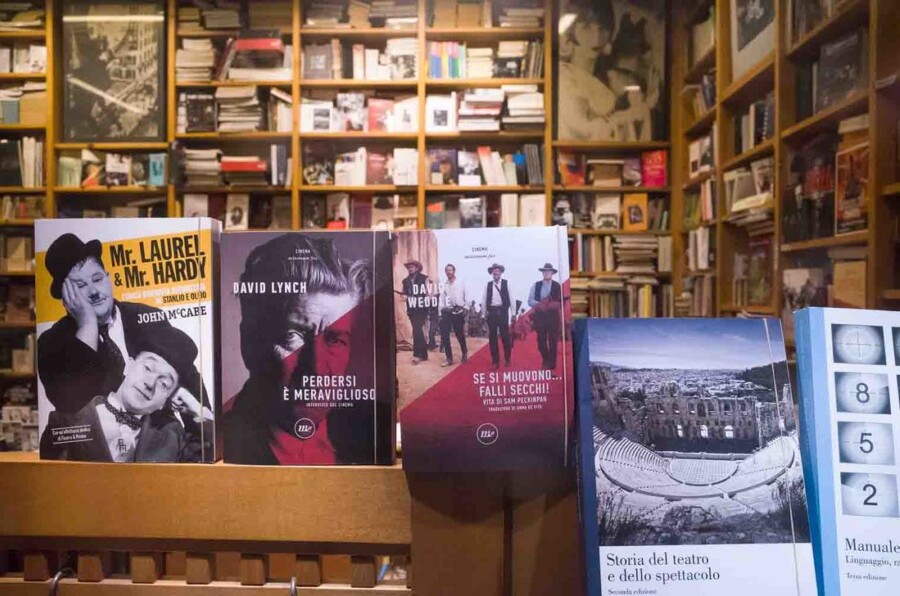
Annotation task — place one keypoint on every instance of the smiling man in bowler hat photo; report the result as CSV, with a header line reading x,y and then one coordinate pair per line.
x,y
85,353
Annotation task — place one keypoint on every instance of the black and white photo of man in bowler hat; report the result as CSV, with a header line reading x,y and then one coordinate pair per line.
x,y
85,353
419,303
143,419
496,305
545,299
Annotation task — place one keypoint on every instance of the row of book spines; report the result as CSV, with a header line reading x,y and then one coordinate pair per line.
x,y
631,301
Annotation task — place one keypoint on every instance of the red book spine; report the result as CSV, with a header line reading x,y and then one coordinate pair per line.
x,y
259,45
243,166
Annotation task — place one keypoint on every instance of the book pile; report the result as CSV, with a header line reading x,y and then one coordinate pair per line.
x,y
196,60
748,197
244,170
635,254
201,167
189,19
524,108
270,15
324,14
22,162
480,109
479,63
523,14
257,59
519,59
394,14
16,16
225,15
238,109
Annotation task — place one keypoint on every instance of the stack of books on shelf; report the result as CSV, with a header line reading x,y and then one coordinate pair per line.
x,y
19,16
238,109
620,298
485,166
357,112
748,196
635,254
22,162
21,207
19,417
519,59
358,12
360,167
221,14
480,110
24,104
479,211
338,211
94,169
478,63
23,58
524,108
334,61
201,167
394,14
756,125
701,98
324,14
840,71
575,169
195,60
270,14
520,14
256,58
244,170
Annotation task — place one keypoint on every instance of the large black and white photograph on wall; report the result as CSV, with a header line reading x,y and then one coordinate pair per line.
x,y
113,71
612,56
752,34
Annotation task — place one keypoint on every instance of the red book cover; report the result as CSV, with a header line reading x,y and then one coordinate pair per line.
x,y
493,390
243,166
571,168
379,110
307,358
272,44
377,169
653,167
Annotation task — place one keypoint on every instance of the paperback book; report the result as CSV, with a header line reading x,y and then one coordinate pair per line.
x,y
689,461
308,354
126,325
848,364
483,349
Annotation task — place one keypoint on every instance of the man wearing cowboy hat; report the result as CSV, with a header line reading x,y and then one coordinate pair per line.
x,y
418,304
137,421
84,354
545,299
496,306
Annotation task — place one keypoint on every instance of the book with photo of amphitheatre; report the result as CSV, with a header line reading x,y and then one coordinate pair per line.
x,y
690,470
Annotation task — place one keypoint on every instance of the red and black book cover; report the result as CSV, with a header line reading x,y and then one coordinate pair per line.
x,y
308,363
484,353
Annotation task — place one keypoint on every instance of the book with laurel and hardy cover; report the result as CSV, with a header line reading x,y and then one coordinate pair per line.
x,y
308,348
127,339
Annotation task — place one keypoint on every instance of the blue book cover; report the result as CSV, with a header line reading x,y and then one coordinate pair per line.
x,y
849,374
690,469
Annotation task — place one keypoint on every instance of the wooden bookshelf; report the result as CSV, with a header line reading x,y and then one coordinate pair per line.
x,y
702,125
777,72
701,67
614,189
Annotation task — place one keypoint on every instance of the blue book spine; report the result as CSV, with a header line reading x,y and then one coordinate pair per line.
x,y
585,457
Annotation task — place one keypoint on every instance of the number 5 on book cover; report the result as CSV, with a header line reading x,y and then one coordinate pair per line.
x,y
690,470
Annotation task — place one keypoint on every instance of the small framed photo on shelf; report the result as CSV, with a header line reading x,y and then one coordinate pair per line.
x,y
114,71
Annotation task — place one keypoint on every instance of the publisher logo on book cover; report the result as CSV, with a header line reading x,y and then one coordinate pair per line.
x,y
487,434
304,428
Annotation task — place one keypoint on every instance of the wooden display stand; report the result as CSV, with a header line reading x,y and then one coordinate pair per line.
x,y
224,529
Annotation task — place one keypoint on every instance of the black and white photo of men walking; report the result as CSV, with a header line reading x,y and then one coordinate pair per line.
x,y
496,305
545,299
453,315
